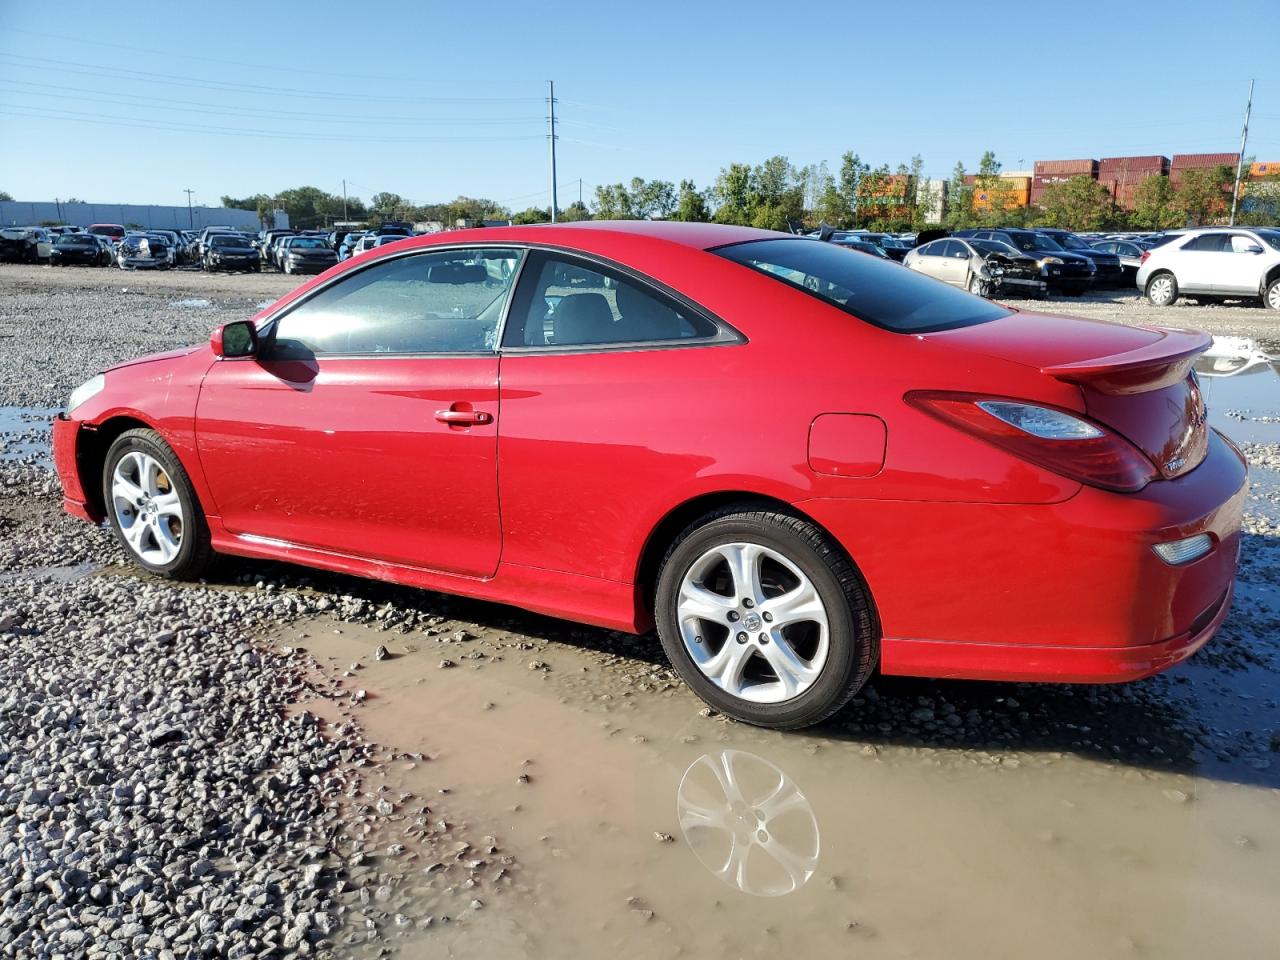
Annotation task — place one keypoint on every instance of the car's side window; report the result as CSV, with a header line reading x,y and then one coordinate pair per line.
x,y
563,301
445,302
959,250
929,249
1242,243
1207,243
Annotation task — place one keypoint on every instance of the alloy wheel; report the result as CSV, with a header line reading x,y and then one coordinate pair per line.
x,y
1273,296
753,623
147,508
1161,290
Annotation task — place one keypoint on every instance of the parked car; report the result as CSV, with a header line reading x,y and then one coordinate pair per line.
x,y
267,240
1214,263
893,248
306,255
202,244
112,230
861,245
82,248
25,245
1035,460
348,245
231,252
1108,271
1065,273
173,242
402,228
1129,253
108,246
367,242
983,267
143,251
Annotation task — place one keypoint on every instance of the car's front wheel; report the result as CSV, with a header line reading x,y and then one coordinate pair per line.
x,y
152,506
765,617
979,287
1162,290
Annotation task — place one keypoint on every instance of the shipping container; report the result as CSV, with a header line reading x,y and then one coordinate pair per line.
x,y
1267,168
1017,175
1188,161
1132,168
1002,198
1068,168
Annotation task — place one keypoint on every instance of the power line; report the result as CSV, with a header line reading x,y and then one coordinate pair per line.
x,y
113,121
70,66
197,106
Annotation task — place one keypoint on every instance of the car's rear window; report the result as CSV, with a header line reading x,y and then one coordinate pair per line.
x,y
881,292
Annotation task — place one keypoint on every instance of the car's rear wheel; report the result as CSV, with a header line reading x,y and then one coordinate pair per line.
x,y
1162,290
979,287
765,617
152,506
1272,296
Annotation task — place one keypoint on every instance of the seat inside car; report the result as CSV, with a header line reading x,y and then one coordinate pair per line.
x,y
582,318
642,317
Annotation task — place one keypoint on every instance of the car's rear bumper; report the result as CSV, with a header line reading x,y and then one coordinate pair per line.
x,y
1060,592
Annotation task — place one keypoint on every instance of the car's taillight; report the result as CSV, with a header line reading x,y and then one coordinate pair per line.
x,y
1145,254
1057,440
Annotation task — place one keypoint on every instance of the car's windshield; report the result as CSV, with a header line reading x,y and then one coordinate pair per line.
x,y
307,243
878,291
1034,241
995,246
222,240
75,240
1071,242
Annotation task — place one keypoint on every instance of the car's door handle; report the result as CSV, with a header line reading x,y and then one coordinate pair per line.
x,y
464,418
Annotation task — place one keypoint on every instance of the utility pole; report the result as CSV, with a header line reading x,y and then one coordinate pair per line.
x,y
551,135
344,200
1244,139
579,191
191,217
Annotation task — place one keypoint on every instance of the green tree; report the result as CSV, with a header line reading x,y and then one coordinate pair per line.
x,y
5,195
389,206
1260,204
959,212
613,202
734,192
1154,206
1080,203
533,215
575,211
852,170
1204,195
652,198
691,204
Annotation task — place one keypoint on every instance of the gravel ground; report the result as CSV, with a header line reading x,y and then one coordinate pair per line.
x,y
172,785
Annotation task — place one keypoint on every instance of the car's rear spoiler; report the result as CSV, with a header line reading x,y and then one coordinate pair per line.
x,y
1158,364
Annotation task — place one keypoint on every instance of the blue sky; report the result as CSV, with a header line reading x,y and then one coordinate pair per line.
x,y
132,102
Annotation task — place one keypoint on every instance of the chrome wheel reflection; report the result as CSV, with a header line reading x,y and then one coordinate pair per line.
x,y
748,823
753,623
147,508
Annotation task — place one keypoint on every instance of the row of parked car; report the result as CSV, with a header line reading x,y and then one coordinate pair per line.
x,y
1205,263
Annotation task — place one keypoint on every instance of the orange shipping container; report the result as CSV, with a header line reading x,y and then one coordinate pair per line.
x,y
1002,198
1066,168
1269,168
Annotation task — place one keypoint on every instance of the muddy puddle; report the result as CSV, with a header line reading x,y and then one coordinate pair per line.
x,y
644,828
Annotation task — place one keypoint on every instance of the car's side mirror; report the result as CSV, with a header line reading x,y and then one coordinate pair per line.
x,y
238,339
1253,248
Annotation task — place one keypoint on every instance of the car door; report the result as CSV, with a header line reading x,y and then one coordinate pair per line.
x,y
953,263
1198,262
582,429
1241,270
928,259
367,424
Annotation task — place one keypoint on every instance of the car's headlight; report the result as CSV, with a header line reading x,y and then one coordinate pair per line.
x,y
1048,260
90,388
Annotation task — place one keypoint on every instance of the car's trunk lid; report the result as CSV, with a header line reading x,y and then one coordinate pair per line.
x,y
1135,380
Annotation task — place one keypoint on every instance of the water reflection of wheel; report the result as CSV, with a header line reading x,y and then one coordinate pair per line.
x,y
748,823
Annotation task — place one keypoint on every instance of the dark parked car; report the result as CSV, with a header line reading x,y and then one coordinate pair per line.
x,y
305,255
1110,273
79,248
267,240
1064,272
861,244
231,251
23,245
1020,274
1130,253
402,228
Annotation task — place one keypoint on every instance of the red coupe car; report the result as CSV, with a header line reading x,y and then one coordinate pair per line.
x,y
799,462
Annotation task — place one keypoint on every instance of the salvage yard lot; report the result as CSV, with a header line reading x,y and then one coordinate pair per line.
x,y
353,800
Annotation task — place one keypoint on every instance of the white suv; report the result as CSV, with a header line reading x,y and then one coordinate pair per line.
x,y
1226,262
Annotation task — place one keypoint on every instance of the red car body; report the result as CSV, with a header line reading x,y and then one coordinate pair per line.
x,y
981,563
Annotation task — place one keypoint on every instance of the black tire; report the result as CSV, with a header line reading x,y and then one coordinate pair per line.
x,y
853,626
195,553
1271,296
1151,281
